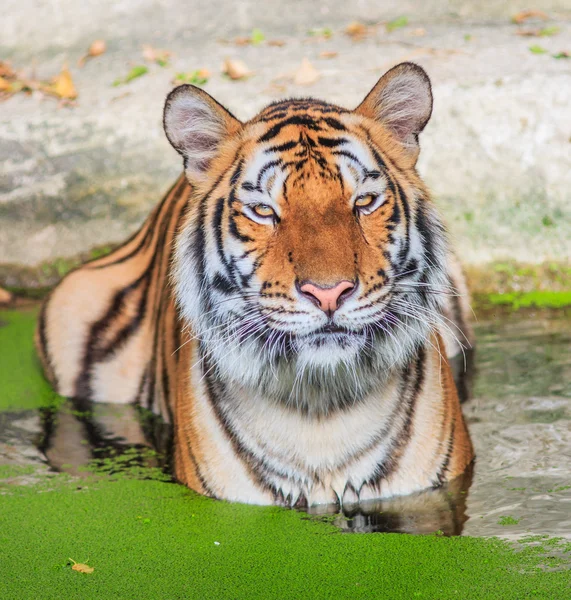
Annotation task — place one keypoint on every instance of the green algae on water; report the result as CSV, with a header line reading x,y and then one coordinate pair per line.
x,y
22,383
160,540
536,299
153,539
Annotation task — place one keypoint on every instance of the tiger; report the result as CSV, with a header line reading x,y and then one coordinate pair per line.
x,y
290,307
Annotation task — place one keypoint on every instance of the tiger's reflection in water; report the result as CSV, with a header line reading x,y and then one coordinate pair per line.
x,y
439,510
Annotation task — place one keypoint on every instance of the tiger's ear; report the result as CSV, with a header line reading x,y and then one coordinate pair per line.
x,y
402,102
196,125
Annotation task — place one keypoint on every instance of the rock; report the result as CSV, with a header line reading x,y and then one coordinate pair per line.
x,y
496,153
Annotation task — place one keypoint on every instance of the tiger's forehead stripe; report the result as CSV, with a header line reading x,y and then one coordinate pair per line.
x,y
306,131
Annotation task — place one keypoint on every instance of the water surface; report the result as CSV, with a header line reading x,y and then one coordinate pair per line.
x,y
518,412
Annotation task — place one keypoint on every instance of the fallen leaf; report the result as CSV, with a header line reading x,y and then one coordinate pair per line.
x,y
97,48
396,23
9,83
321,32
62,86
257,36
524,15
275,89
154,55
236,69
467,37
544,32
306,74
328,54
82,568
135,72
562,55
198,77
278,43
5,296
6,70
538,49
549,31
356,30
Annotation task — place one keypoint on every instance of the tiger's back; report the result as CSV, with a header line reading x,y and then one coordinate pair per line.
x,y
109,331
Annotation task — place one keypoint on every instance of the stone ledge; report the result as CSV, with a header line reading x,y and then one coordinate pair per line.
x,y
496,154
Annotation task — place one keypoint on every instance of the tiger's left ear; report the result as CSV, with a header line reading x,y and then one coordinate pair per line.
x,y
402,102
196,126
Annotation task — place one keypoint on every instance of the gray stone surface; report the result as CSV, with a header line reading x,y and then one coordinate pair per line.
x,y
497,153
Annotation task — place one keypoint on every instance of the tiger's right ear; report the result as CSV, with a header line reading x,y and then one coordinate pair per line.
x,y
196,125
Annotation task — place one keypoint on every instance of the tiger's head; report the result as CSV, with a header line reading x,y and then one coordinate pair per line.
x,y
311,259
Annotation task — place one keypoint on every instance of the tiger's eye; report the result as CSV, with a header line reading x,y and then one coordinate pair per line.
x,y
263,210
365,201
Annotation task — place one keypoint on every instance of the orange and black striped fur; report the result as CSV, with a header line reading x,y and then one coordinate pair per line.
x,y
289,306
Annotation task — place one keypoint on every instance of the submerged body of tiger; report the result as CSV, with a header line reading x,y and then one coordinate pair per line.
x,y
288,307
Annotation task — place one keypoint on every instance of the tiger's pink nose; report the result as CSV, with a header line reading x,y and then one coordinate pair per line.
x,y
328,299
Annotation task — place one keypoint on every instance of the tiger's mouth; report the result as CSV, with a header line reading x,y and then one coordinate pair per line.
x,y
333,337
330,328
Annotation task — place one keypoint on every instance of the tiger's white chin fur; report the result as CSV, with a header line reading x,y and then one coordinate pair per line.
x,y
328,351
321,372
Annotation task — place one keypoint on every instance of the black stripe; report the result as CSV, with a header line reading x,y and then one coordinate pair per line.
x,y
351,156
129,329
441,474
237,173
304,121
282,147
93,352
331,142
335,124
405,249
425,231
402,437
222,284
257,468
273,163
44,343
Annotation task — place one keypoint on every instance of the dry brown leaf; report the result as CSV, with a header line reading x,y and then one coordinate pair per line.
x,y
275,89
5,296
81,567
242,41
97,48
306,74
356,30
529,32
156,55
328,54
61,86
236,69
278,43
524,15
6,70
